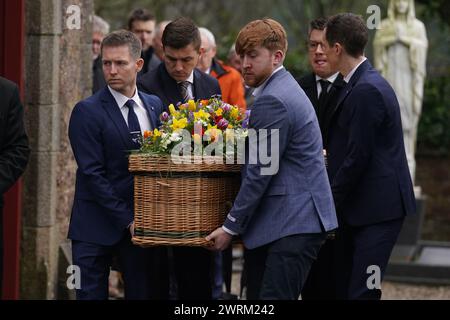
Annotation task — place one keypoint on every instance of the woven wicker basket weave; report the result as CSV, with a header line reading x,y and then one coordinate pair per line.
x,y
180,204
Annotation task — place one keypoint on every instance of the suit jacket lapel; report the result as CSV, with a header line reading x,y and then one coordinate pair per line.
x,y
199,90
170,87
150,111
310,87
354,79
336,89
272,78
111,107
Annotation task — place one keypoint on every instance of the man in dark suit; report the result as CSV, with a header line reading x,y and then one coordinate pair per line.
x,y
283,210
367,165
322,87
14,150
142,23
181,42
176,80
102,130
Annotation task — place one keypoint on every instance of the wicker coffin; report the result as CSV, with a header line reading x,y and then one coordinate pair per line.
x,y
180,204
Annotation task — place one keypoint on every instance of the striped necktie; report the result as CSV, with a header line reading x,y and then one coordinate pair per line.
x,y
184,85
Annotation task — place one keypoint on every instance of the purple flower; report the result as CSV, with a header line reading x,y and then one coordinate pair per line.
x,y
190,116
222,124
226,107
246,119
164,117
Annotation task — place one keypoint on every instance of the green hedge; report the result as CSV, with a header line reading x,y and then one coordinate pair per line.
x,y
434,126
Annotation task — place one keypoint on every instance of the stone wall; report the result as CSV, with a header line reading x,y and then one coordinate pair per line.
x,y
57,75
75,85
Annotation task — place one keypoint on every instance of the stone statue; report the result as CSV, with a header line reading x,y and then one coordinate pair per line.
x,y
400,49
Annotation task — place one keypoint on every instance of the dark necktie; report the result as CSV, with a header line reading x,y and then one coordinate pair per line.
x,y
133,124
324,84
184,91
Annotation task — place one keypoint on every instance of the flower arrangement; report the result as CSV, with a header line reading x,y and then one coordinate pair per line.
x,y
200,127
198,144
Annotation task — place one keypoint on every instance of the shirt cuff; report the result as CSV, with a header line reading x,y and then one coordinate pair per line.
x,y
229,231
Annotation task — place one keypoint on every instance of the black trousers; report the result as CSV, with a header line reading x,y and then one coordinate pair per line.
x,y
321,281
278,270
1,250
184,273
193,272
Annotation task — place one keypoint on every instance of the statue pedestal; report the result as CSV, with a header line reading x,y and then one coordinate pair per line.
x,y
417,261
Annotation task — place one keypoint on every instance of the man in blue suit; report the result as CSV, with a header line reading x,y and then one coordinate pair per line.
x,y
369,174
283,215
103,129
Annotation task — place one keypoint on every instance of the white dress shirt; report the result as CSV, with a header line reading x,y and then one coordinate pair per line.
x,y
330,79
139,109
349,76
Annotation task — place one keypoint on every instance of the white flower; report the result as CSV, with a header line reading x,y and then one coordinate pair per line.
x,y
175,137
165,144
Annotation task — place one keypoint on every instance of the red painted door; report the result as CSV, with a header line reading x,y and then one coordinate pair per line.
x,y
12,32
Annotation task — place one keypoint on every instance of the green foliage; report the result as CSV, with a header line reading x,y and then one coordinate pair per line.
x,y
297,63
434,126
226,18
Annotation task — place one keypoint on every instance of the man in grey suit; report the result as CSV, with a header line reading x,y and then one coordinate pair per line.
x,y
282,217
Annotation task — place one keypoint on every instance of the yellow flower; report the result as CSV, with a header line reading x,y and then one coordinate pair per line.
x,y
201,115
156,133
234,112
211,127
172,109
230,126
219,112
179,124
192,106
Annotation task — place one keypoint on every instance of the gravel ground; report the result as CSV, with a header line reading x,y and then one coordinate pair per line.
x,y
402,291
391,290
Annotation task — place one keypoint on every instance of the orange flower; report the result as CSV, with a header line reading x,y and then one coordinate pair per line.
x,y
204,102
147,134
